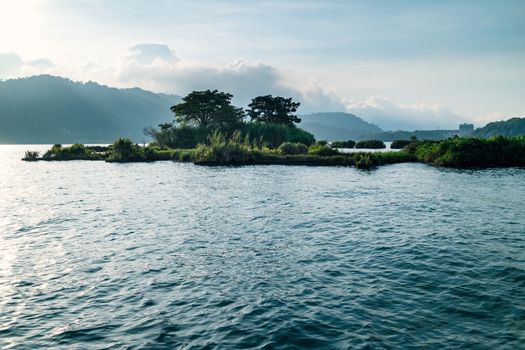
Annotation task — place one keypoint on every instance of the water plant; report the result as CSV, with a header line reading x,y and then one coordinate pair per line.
x,y
31,155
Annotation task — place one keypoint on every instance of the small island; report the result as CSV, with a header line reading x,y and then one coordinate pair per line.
x,y
209,130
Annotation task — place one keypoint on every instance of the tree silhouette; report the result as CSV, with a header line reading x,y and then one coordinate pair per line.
x,y
208,109
269,109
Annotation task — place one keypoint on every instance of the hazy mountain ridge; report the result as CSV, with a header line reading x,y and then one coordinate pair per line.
x,y
511,127
337,126
49,109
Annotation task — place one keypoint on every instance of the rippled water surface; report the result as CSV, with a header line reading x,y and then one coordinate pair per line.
x,y
168,255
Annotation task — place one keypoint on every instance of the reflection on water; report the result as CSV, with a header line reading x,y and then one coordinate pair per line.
x,y
162,255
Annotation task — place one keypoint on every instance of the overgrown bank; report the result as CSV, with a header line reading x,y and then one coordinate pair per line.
x,y
455,152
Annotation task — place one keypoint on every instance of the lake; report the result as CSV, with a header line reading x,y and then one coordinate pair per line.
x,y
171,255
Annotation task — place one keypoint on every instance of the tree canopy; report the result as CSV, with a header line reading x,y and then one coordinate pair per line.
x,y
269,109
208,109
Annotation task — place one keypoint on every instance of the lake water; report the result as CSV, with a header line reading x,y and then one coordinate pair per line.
x,y
373,150
169,255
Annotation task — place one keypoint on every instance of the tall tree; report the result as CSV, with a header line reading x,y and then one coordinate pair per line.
x,y
278,110
209,109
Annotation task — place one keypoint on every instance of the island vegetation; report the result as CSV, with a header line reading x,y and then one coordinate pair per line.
x,y
209,130
398,144
498,151
371,144
343,144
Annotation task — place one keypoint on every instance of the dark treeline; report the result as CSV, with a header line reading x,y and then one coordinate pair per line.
x,y
343,144
376,144
398,144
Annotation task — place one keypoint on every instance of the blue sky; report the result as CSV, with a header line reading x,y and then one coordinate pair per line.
x,y
403,64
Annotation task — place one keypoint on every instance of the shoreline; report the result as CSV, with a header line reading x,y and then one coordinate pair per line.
x,y
451,153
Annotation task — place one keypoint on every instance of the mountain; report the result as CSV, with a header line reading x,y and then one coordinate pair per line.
x,y
511,127
337,126
49,109
420,134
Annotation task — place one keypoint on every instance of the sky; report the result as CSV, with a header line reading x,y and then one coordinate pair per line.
x,y
400,64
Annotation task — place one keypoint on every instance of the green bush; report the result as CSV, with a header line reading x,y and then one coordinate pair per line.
x,y
398,144
293,148
73,152
343,144
319,149
372,144
273,135
256,134
222,151
124,150
471,152
363,161
31,155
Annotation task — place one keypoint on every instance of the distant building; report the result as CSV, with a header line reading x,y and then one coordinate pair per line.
x,y
465,129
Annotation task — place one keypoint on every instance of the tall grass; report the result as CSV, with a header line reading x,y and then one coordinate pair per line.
x,y
256,134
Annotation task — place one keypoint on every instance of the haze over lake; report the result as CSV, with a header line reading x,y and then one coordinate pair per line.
x,y
165,254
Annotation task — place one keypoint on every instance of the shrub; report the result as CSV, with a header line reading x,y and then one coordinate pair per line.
x,y
372,144
222,151
273,135
343,144
73,152
31,155
124,150
256,134
471,152
363,161
319,149
398,144
293,148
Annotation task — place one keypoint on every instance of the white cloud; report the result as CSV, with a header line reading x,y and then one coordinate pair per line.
x,y
150,53
41,63
390,116
12,66
156,67
490,117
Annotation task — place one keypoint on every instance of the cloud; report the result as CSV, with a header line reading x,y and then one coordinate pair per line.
x,y
156,67
150,53
490,117
40,63
12,66
390,116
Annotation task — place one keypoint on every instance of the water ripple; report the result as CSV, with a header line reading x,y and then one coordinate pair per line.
x,y
167,255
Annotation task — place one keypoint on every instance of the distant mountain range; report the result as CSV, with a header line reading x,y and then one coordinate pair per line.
x,y
337,126
48,109
510,127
